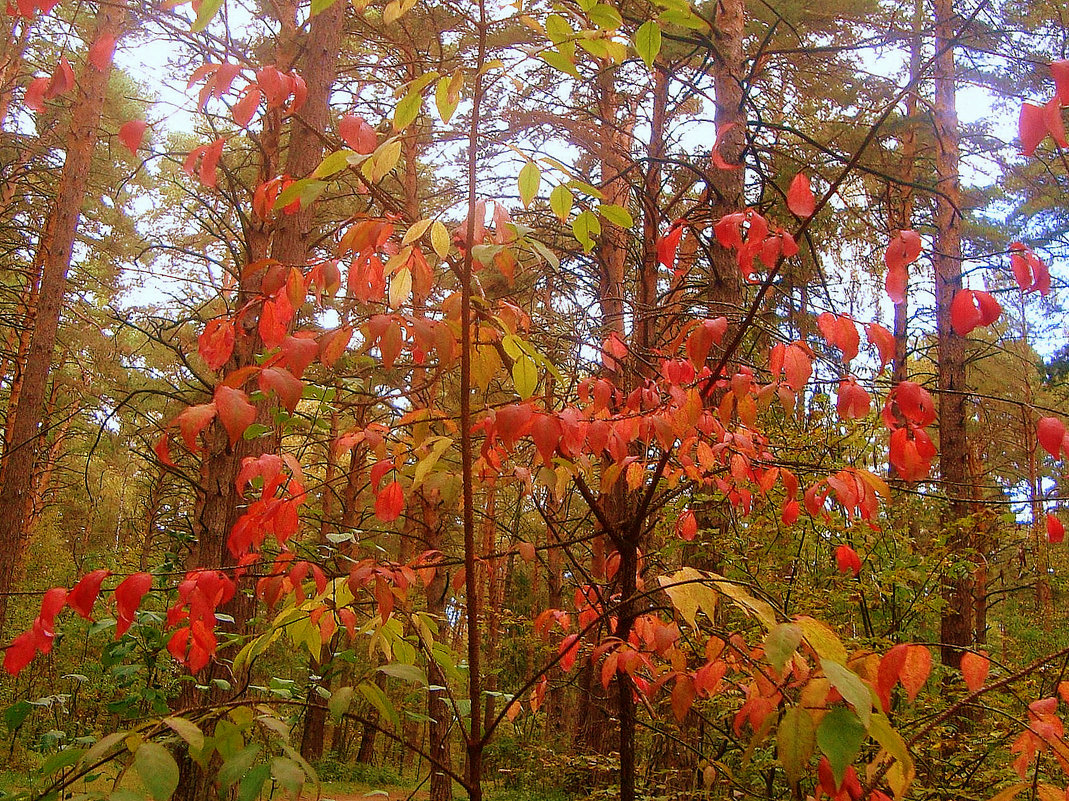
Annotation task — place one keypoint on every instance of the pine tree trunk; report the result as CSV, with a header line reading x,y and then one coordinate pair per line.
x,y
54,257
957,617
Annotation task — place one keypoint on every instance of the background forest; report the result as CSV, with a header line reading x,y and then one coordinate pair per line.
x,y
575,399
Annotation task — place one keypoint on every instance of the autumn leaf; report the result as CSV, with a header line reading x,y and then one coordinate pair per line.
x,y
84,594
390,502
974,668
668,244
1055,529
216,342
800,198
20,653
235,412
128,596
357,134
1050,431
687,526
903,250
717,159
852,401
101,51
1031,127
915,669
131,135
884,341
971,309
847,560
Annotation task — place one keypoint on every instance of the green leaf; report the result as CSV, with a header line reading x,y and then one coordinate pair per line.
x,y
524,376
306,190
335,162
850,687
237,766
557,29
288,773
16,714
545,253
60,760
528,182
101,747
207,11
648,42
339,702
157,769
561,62
560,202
409,673
616,214
795,739
585,227
187,730
781,643
586,188
407,110
839,738
382,703
249,789
605,17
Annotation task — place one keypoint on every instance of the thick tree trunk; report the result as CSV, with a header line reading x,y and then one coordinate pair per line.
x,y
957,618
54,257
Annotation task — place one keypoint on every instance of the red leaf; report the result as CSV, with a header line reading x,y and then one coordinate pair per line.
x,y
964,314
683,695
62,80
718,160
687,526
162,449
128,596
193,420
101,51
84,594
895,283
34,99
974,668
884,341
797,366
332,344
703,337
911,457
297,354
208,164
840,332
569,649
912,402
283,383
1031,127
1060,71
546,433
847,560
888,672
357,134
1052,116
800,198
235,412
853,401
1055,530
216,342
915,669
903,250
1050,431
245,108
1029,270
668,244
390,502
20,653
131,134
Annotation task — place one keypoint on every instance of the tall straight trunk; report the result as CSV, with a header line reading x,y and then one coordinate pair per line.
x,y
54,257
725,189
957,617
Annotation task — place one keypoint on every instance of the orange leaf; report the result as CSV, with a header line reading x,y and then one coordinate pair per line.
x,y
216,342
915,669
162,449
235,412
193,420
131,134
800,198
283,383
847,560
687,526
569,649
668,244
390,502
974,668
884,341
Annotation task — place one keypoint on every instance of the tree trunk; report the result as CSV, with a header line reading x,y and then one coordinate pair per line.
x,y
957,618
54,257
